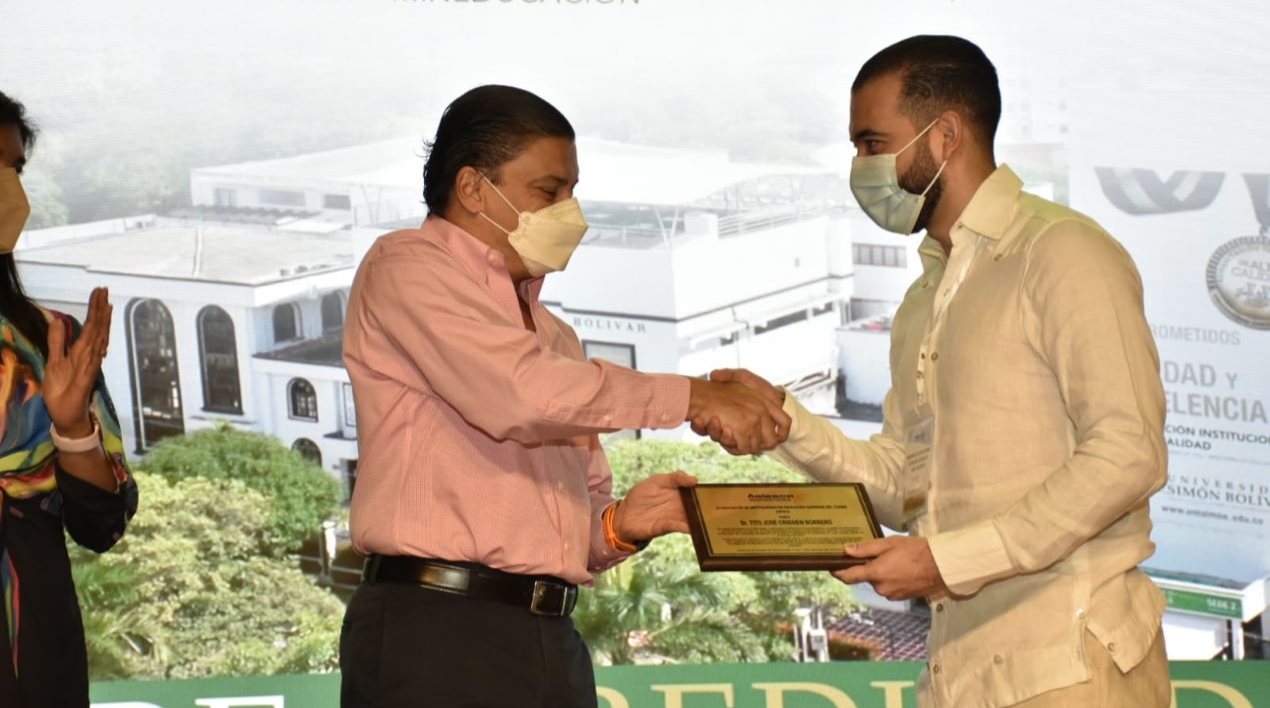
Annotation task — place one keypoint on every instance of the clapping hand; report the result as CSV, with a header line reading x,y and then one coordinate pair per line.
x,y
71,372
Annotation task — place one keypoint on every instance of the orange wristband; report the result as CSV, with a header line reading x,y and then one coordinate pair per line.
x,y
610,533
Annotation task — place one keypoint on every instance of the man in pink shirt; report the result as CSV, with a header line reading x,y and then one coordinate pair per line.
x,y
483,496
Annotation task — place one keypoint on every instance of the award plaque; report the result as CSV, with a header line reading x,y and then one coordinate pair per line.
x,y
778,526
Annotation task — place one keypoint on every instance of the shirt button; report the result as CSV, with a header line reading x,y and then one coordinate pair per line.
x,y
939,607
998,660
1111,647
560,485
1080,614
997,257
608,419
934,668
566,545
491,258
934,357
925,283
664,417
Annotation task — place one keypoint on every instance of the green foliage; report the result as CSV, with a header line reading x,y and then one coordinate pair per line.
x,y
634,610
188,593
301,494
115,632
658,607
633,461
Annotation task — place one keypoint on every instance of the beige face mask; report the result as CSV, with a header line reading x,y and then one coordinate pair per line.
x,y
14,209
545,239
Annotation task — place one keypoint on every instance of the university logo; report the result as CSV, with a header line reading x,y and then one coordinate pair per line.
x,y
1239,280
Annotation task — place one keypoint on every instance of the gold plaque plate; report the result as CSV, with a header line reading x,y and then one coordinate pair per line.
x,y
778,526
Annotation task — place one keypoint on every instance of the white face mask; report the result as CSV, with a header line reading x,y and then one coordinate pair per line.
x,y
876,186
544,239
14,209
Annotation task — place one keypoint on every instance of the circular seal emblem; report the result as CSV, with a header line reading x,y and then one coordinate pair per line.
x,y
1239,280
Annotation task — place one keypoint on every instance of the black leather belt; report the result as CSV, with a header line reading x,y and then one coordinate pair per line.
x,y
542,594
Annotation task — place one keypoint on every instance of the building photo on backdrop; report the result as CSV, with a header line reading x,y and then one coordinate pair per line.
x,y
225,168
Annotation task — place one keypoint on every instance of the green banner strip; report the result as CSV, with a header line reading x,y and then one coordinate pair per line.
x,y
1204,603
1213,684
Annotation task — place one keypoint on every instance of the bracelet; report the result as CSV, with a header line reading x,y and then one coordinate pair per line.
x,y
85,444
610,532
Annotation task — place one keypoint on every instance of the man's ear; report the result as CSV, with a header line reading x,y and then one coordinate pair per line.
x,y
949,134
469,192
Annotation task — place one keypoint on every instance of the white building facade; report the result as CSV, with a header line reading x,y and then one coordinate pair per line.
x,y
212,324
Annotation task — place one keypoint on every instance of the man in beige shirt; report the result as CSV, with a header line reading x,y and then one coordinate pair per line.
x,y
1023,432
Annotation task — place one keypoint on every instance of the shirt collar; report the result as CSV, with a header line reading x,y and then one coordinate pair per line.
x,y
931,252
930,248
989,211
483,261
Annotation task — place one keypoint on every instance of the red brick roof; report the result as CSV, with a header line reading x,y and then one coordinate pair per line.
x,y
896,636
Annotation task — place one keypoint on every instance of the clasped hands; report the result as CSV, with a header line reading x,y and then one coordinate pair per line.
x,y
739,410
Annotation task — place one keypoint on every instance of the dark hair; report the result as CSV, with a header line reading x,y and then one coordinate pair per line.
x,y
14,303
485,128
938,73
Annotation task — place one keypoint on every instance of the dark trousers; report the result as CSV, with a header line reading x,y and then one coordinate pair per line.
x,y
403,646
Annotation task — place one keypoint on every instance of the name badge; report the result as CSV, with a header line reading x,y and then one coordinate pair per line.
x,y
919,436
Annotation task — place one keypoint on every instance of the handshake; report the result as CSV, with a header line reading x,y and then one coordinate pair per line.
x,y
739,410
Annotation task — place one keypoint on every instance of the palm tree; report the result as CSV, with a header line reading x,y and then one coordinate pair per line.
x,y
639,612
117,641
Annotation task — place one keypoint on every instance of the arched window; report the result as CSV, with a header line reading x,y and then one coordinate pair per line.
x,y
156,379
332,311
308,450
286,322
302,399
219,348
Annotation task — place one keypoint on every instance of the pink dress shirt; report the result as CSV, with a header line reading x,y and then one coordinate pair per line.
x,y
477,436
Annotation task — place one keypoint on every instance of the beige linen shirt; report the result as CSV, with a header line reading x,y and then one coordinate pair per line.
x,y
1043,380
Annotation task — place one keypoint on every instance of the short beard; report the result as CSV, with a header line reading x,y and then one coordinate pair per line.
x,y
919,175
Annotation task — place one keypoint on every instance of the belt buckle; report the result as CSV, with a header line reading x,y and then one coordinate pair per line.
x,y
544,591
370,568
